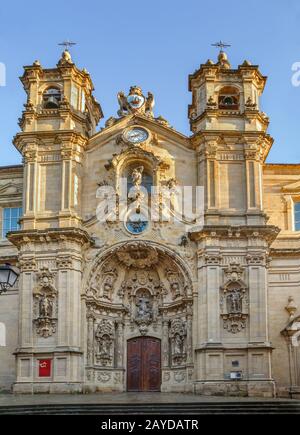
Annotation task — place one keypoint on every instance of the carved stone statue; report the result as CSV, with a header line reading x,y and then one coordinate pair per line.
x,y
122,100
45,307
137,176
110,276
105,338
174,280
144,309
150,105
178,332
234,301
178,345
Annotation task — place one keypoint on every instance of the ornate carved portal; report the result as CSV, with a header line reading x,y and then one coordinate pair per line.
x,y
135,290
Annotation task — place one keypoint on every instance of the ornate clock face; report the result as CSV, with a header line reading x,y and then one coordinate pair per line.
x,y
136,135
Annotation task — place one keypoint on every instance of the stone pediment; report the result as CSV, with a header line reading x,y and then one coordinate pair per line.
x,y
10,189
292,187
158,129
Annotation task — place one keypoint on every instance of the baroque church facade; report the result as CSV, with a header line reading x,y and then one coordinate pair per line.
x,y
129,303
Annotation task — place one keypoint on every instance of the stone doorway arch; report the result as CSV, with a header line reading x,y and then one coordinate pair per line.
x,y
138,289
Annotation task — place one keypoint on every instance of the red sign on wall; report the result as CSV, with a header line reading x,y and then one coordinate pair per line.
x,y
45,368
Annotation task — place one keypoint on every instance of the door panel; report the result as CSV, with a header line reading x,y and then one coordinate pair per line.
x,y
134,365
143,364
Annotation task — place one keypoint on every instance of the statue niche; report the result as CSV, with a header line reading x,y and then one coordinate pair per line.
x,y
234,301
178,333
104,337
45,306
109,279
234,306
144,310
174,281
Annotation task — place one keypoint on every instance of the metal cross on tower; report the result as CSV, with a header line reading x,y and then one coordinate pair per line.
x,y
67,44
221,45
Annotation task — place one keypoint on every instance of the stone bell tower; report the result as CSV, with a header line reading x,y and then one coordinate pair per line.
x,y
231,141
59,117
230,133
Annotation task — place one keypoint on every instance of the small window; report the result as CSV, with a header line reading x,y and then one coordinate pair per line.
x,y
10,220
51,98
74,96
82,101
297,216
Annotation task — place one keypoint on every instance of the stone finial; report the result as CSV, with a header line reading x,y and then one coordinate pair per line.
x,y
36,63
291,307
223,60
246,63
65,59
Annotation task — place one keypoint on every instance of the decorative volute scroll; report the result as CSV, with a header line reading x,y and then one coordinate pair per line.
x,y
234,299
104,337
45,306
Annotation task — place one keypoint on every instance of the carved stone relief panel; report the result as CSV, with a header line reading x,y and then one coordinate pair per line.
x,y
45,304
234,300
104,337
178,334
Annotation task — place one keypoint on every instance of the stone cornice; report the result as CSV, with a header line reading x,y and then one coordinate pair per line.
x,y
18,238
255,144
219,113
245,71
285,252
30,143
265,232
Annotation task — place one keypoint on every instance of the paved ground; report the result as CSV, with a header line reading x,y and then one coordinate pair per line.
x,y
110,398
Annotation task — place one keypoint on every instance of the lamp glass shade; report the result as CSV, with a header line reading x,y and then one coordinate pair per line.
x,y
4,274
8,275
12,278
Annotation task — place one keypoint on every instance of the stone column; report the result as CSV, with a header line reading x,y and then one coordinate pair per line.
x,y
213,299
189,337
120,344
165,343
257,302
90,339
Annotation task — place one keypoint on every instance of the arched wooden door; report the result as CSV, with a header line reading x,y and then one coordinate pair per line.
x,y
143,364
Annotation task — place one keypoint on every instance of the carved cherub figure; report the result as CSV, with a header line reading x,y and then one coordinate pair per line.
x,y
150,102
123,103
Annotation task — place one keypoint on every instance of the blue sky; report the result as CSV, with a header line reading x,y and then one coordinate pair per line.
x,y
154,44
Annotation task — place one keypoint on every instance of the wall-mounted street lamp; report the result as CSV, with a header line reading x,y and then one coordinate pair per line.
x,y
8,277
